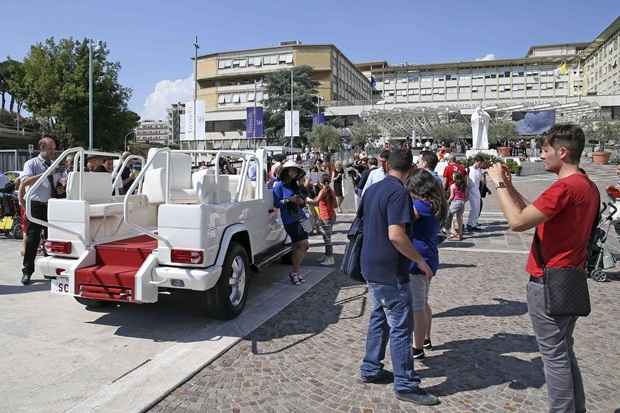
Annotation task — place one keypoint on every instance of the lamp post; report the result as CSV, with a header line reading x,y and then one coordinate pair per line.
x,y
291,122
90,95
130,132
195,85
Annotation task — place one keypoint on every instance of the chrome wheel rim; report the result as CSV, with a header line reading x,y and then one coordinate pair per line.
x,y
237,281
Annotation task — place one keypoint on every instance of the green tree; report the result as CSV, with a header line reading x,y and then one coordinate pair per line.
x,y
279,101
363,133
16,85
443,132
502,132
56,78
325,137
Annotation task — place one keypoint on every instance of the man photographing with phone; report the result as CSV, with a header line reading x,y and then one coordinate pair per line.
x,y
563,216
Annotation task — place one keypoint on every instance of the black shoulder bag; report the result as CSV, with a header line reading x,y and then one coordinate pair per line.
x,y
566,289
351,262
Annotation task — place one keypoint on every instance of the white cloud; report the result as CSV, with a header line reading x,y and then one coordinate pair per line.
x,y
166,93
488,56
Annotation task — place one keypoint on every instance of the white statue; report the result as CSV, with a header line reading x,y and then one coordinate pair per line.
x,y
480,129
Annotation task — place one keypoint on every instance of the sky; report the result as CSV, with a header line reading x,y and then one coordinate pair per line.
x,y
153,39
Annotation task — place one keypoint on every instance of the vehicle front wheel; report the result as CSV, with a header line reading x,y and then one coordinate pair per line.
x,y
226,300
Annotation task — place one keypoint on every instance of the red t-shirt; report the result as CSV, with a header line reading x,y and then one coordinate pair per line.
x,y
449,171
571,204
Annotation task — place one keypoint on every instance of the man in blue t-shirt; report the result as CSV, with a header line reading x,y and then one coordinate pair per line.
x,y
387,250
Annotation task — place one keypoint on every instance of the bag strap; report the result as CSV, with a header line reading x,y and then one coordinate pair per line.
x,y
537,243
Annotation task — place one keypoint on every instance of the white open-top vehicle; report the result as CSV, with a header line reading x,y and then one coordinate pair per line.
x,y
174,230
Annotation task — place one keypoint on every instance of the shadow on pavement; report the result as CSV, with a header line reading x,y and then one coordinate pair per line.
x,y
457,244
36,285
503,308
181,316
331,312
480,363
445,265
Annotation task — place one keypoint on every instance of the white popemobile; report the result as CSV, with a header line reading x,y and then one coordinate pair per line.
x,y
173,230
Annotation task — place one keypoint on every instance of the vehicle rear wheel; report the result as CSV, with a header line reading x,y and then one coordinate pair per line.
x,y
89,302
226,300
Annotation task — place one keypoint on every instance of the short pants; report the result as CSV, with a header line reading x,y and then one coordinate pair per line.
x,y
418,286
457,206
296,232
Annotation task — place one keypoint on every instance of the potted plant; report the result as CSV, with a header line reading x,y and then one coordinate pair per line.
x,y
602,131
514,166
502,132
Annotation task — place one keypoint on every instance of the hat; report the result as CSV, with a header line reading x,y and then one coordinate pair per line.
x,y
291,164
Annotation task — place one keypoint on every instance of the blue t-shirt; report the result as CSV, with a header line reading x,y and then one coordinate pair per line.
x,y
385,203
424,236
290,215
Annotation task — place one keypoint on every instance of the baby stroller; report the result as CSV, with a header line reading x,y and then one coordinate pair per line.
x,y
10,221
600,257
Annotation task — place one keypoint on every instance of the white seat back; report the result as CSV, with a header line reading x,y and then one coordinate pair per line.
x,y
97,187
155,177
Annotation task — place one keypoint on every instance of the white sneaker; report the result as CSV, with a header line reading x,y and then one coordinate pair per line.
x,y
320,260
328,262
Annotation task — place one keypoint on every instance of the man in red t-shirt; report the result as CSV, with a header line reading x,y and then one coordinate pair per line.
x,y
452,167
563,216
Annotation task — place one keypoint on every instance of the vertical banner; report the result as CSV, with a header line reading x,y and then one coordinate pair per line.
x,y
291,123
200,120
254,122
318,119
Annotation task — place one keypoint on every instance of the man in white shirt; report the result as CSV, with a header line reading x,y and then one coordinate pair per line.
x,y
473,188
377,175
33,169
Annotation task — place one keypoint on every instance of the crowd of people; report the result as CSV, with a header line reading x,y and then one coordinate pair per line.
x,y
405,209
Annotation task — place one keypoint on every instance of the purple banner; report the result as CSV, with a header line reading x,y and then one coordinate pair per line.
x,y
254,122
318,119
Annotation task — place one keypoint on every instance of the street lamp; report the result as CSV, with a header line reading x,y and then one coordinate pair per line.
x,y
90,94
134,132
319,98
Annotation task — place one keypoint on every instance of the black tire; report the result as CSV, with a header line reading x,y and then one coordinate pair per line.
x,y
89,302
598,275
220,303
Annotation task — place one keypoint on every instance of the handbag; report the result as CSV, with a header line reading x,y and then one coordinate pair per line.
x,y
566,289
351,262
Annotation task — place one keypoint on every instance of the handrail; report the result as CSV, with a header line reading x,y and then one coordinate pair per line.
x,y
246,154
43,178
79,166
116,175
132,188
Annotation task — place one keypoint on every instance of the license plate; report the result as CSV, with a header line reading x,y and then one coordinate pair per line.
x,y
62,285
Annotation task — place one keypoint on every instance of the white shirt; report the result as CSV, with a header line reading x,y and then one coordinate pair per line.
x,y
376,175
473,186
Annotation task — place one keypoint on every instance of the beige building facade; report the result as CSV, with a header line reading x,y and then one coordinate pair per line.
x,y
236,80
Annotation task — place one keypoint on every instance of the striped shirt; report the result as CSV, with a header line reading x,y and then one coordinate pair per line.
x,y
33,167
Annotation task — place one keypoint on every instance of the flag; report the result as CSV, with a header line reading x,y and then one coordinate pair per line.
x,y
561,70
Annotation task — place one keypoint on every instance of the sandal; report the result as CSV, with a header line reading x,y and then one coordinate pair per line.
x,y
294,278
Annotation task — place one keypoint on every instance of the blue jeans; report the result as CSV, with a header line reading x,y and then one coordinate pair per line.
x,y
390,318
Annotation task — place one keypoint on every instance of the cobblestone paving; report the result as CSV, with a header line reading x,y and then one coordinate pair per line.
x,y
485,358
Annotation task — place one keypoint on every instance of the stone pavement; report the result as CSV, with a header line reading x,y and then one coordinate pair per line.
x,y
485,358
